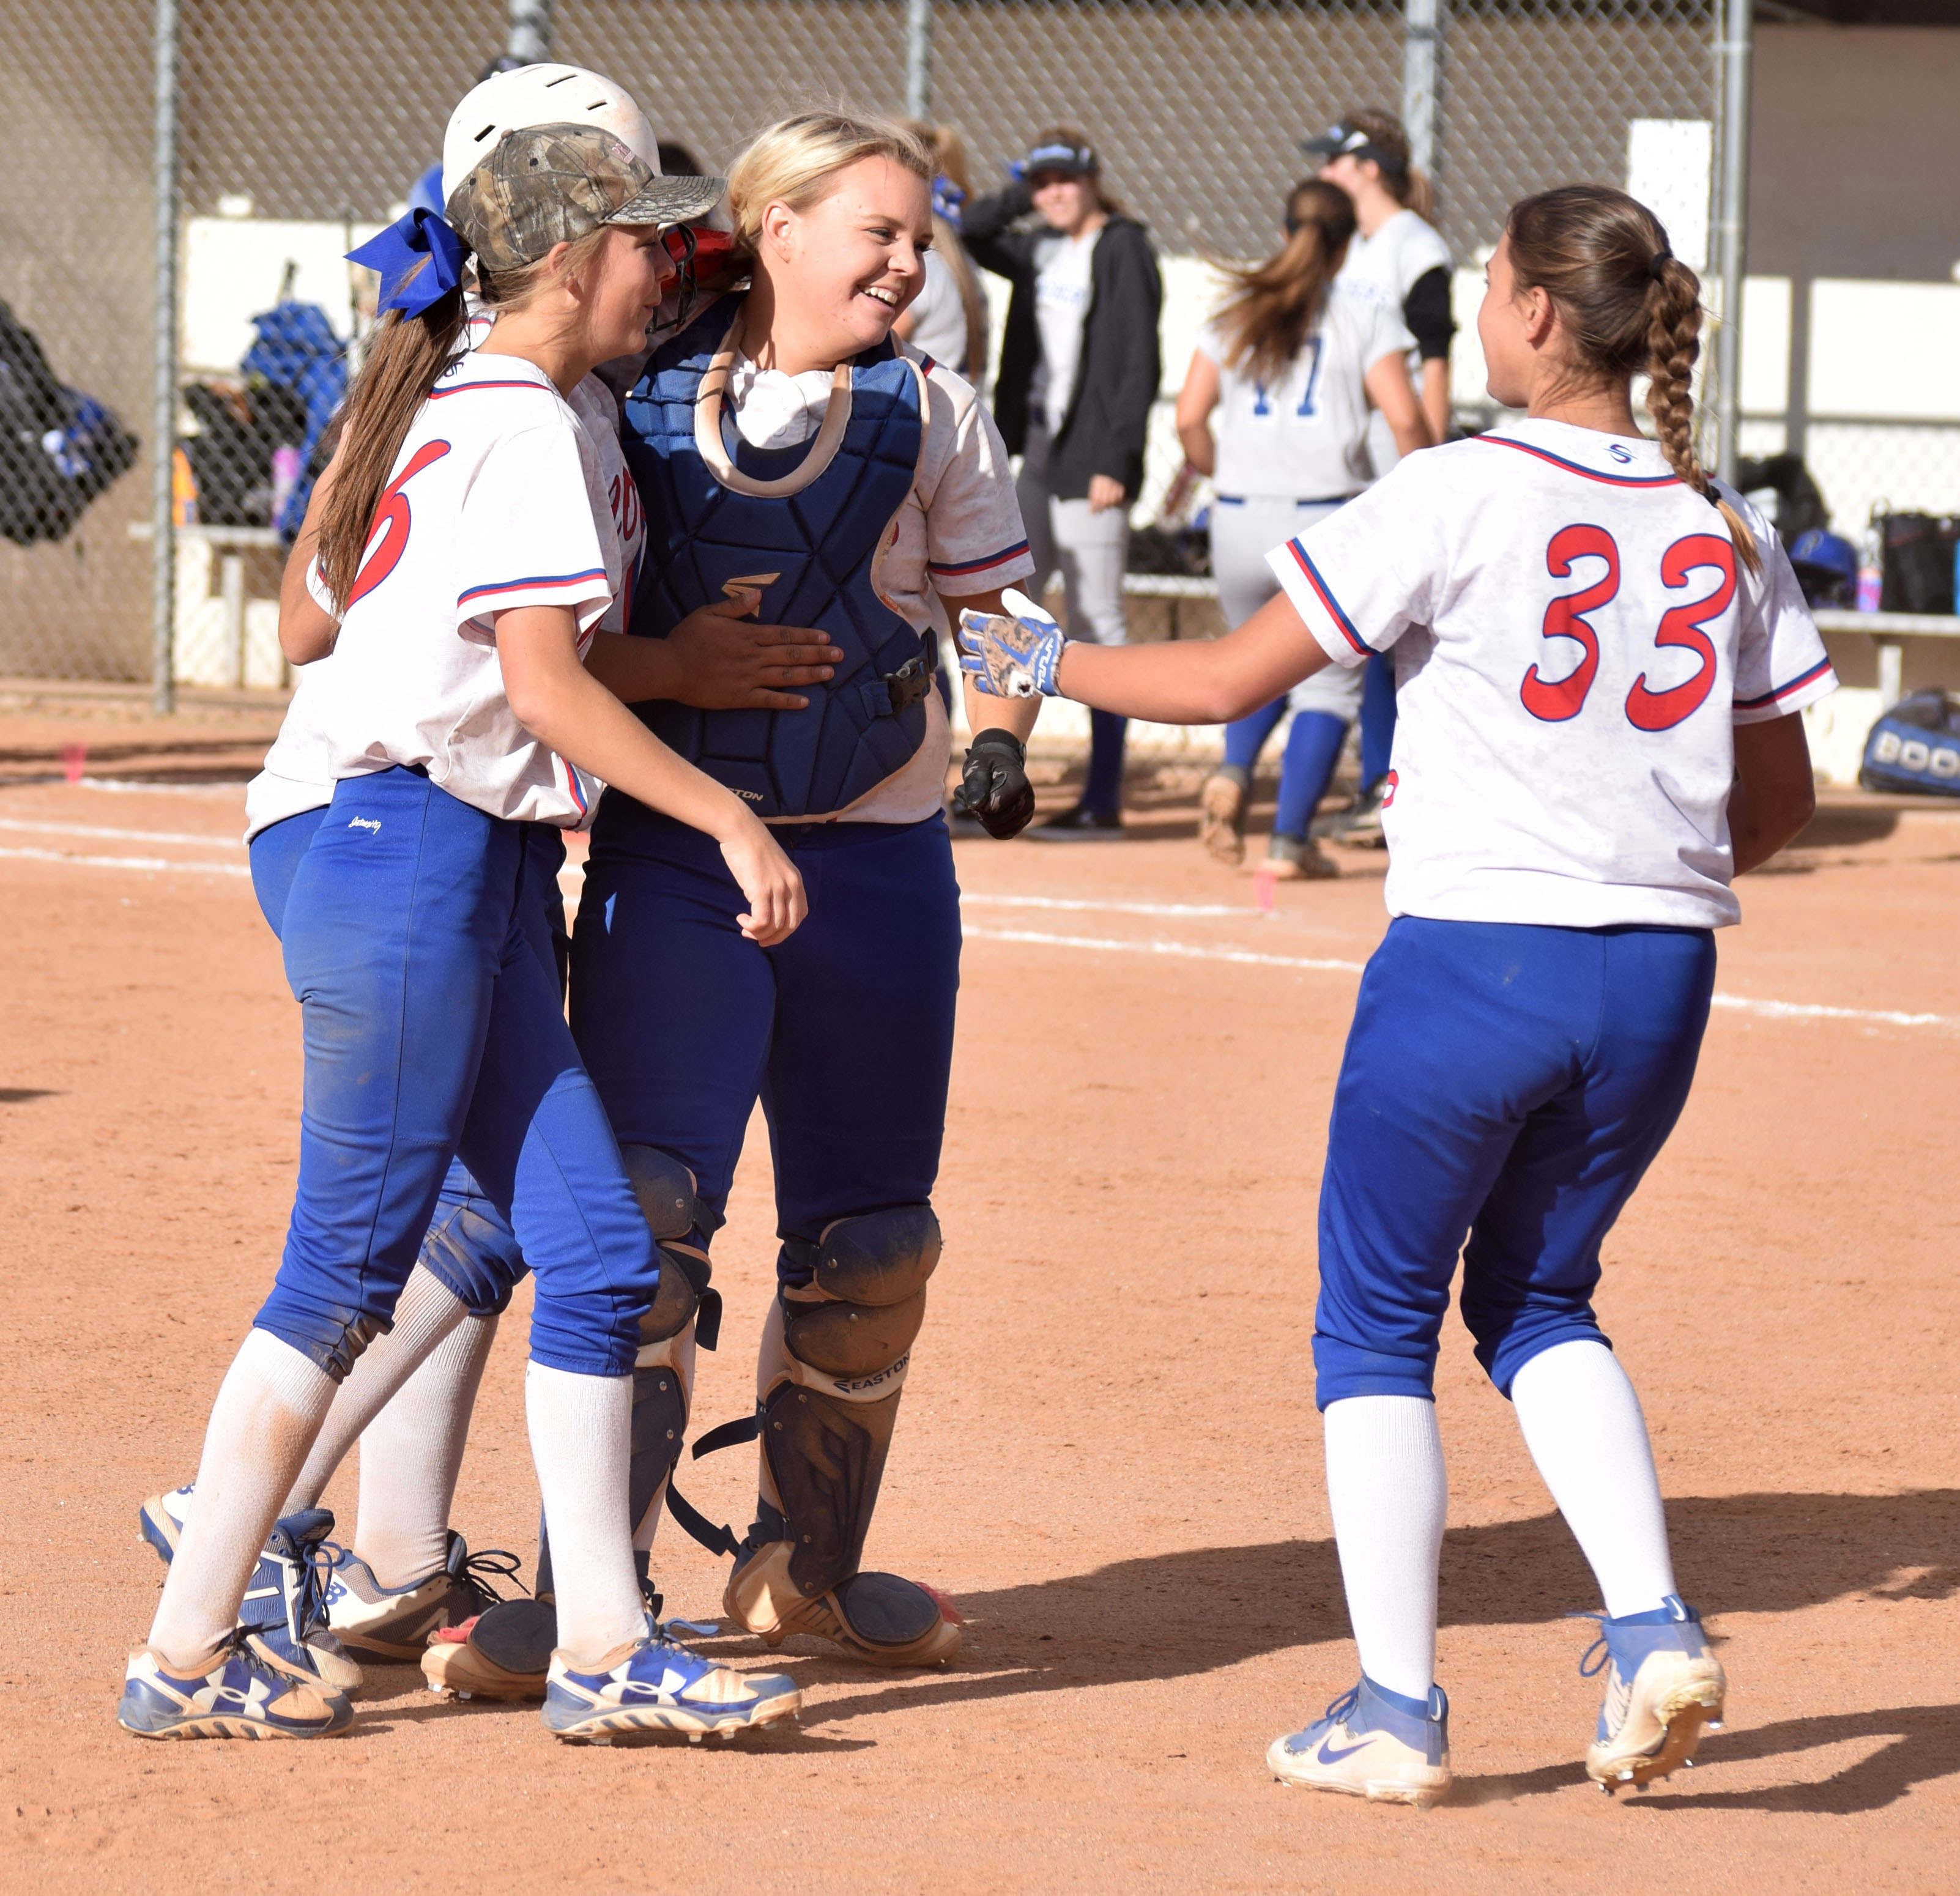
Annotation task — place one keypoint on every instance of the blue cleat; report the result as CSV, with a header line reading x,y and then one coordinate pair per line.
x,y
239,1695
396,1623
1663,1685
162,1519
284,1613
1371,1743
654,1685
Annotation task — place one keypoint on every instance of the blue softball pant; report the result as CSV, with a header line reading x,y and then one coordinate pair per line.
x,y
844,1031
1508,1081
434,1030
470,1248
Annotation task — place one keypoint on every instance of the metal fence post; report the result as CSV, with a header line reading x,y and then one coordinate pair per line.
x,y
530,35
163,408
1422,24
918,59
1732,225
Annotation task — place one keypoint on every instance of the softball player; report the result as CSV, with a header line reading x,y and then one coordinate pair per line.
x,y
1599,654
783,442
409,1397
1289,367
461,569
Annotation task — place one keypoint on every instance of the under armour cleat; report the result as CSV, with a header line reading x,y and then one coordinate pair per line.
x,y
1663,1685
1371,1743
655,1685
162,1519
878,1617
238,1695
283,1614
1221,813
395,1623
505,1652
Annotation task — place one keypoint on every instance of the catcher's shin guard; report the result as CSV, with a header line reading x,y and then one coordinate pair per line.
x,y
832,1365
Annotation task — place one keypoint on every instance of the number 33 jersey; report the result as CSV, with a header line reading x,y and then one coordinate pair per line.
x,y
1575,640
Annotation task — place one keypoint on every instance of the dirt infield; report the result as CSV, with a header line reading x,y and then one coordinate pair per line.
x,y
1108,1455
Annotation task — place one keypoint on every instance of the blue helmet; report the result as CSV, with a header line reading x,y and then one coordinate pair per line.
x,y
1823,559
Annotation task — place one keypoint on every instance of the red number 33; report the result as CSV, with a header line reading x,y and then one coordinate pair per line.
x,y
388,537
1647,709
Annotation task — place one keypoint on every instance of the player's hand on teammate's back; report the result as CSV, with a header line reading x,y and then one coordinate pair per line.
x,y
769,881
993,787
1011,655
726,664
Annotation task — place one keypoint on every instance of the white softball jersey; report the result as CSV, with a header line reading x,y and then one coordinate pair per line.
x,y
1305,438
301,766
1574,640
1390,262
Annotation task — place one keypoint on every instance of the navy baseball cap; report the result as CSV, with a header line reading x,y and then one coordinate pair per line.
x,y
1068,161
1346,141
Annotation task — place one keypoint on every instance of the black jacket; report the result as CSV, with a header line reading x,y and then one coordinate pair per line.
x,y
1120,370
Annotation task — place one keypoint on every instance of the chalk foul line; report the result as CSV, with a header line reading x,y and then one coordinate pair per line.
x,y
1242,957
123,862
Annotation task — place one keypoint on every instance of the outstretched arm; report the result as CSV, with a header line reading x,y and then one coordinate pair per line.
x,y
714,662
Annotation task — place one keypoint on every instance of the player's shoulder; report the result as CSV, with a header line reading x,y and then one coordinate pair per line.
x,y
1417,245
493,395
951,400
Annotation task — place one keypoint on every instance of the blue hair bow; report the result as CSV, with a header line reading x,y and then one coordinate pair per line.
x,y
947,198
420,238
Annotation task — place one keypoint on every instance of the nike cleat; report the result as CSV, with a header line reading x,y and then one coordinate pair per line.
x,y
1371,1743
655,1685
162,1519
395,1623
238,1695
283,1614
1663,1686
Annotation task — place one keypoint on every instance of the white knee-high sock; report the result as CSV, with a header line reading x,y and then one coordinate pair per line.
x,y
269,1409
581,1444
1582,1422
411,1455
426,1312
1389,1493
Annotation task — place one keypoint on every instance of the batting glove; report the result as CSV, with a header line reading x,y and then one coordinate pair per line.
x,y
994,787
1011,657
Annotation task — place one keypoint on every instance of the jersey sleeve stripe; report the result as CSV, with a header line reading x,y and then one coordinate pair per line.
x,y
1327,599
471,388
1782,691
1573,467
537,583
953,571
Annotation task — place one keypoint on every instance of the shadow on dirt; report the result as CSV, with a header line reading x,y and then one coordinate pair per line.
x,y
1844,826
1181,1615
20,1095
1923,1745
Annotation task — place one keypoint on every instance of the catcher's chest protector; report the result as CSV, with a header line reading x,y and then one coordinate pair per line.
x,y
803,525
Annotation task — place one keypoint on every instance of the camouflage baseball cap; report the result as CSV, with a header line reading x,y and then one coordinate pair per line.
x,y
551,184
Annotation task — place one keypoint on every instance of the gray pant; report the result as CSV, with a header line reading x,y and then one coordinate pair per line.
x,y
1242,533
1091,550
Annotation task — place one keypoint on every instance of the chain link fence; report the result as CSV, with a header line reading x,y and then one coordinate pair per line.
x,y
303,123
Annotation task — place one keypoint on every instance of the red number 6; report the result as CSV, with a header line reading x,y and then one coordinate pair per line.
x,y
388,537
1554,703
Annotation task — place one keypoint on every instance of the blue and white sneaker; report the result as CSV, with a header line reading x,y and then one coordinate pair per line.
x,y
654,1685
283,1614
1663,1686
1371,1743
285,1607
239,1696
395,1623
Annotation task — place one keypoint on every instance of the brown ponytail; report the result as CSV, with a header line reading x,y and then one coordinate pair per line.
x,y
1629,306
1405,182
405,355
1266,318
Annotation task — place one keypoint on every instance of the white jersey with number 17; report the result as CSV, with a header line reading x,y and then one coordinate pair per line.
x,y
1574,640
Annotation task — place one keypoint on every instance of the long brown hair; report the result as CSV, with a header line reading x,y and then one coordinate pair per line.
x,y
1629,306
405,355
948,151
1266,319
1407,184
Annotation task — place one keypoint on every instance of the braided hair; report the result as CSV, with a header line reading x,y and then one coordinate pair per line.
x,y
1630,307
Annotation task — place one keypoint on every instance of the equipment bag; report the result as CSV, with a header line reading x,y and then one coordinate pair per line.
x,y
1915,747
59,447
1917,562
